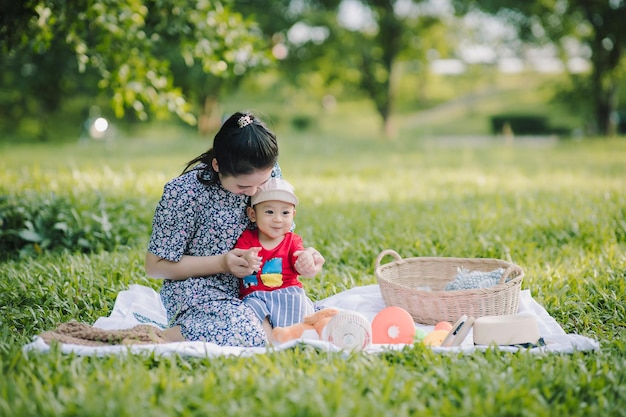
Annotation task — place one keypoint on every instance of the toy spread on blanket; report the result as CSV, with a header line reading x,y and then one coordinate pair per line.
x,y
394,325
352,331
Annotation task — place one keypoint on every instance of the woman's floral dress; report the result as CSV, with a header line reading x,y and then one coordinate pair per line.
x,y
199,220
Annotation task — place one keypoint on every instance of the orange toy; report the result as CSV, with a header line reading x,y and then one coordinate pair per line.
x,y
443,325
435,338
316,321
393,325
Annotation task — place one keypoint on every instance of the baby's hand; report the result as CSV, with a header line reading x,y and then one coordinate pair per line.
x,y
243,262
309,262
254,260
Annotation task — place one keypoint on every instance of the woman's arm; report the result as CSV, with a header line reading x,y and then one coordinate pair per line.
x,y
232,262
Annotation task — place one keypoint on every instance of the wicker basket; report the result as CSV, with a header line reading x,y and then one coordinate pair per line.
x,y
403,283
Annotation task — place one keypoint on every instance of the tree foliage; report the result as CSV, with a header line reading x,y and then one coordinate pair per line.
x,y
360,59
598,24
136,50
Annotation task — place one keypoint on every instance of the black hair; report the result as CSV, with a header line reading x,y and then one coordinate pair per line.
x,y
242,146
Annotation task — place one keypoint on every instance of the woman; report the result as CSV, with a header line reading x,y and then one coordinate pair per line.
x,y
196,224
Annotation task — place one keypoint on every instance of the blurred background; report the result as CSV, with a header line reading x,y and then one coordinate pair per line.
x,y
85,71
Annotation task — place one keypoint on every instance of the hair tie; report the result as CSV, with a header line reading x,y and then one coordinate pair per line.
x,y
244,121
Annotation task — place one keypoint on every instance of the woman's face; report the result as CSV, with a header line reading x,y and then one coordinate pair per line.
x,y
245,184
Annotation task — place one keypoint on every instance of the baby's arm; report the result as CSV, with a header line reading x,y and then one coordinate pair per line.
x,y
309,262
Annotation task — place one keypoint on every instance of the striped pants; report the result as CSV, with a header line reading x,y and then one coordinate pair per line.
x,y
283,307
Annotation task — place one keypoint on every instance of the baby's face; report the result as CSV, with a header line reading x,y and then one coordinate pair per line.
x,y
274,218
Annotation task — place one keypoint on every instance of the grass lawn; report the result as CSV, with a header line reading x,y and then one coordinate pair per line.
x,y
558,209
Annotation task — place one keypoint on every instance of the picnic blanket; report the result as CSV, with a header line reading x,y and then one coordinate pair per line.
x,y
138,317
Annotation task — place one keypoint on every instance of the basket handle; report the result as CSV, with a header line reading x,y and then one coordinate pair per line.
x,y
512,269
385,253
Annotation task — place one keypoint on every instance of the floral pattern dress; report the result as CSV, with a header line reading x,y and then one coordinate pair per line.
x,y
204,220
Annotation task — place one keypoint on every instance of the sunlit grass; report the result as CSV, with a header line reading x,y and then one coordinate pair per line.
x,y
558,209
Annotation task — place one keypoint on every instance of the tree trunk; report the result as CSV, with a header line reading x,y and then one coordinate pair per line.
x,y
605,97
387,113
382,89
605,61
210,118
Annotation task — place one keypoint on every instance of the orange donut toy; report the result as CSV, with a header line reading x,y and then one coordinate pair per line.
x,y
393,325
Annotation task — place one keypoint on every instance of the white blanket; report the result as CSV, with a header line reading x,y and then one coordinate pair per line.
x,y
142,305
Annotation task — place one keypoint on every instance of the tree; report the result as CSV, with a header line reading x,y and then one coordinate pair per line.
x,y
133,48
362,58
379,50
598,24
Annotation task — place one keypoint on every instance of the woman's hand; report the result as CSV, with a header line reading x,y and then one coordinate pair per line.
x,y
239,262
243,262
309,262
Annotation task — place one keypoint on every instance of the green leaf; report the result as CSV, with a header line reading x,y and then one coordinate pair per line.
x,y
30,236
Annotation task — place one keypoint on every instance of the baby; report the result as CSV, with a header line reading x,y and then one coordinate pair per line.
x,y
274,292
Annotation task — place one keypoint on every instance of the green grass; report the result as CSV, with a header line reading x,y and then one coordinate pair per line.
x,y
556,209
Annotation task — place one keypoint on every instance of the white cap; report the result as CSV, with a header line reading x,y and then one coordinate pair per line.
x,y
275,189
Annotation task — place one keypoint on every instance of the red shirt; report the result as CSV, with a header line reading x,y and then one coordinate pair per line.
x,y
277,265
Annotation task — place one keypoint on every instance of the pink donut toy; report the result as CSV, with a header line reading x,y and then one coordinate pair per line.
x,y
393,325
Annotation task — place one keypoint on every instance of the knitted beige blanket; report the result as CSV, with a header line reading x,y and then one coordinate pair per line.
x,y
77,333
